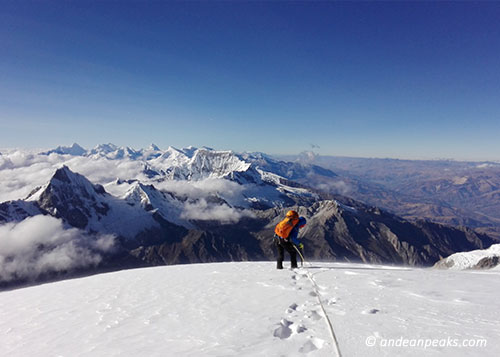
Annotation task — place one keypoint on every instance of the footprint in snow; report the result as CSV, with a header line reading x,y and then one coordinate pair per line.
x,y
283,331
370,312
292,308
299,328
314,315
332,301
312,345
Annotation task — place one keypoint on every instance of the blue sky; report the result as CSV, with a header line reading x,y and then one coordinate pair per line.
x,y
404,80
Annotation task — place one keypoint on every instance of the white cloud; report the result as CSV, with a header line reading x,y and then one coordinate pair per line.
x,y
339,187
205,211
22,171
102,170
199,206
307,157
5,162
203,188
41,244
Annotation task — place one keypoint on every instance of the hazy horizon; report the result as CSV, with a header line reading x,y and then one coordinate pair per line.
x,y
40,149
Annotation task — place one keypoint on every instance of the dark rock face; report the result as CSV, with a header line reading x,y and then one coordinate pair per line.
x,y
488,263
72,197
62,175
332,233
374,236
195,247
212,243
444,264
16,211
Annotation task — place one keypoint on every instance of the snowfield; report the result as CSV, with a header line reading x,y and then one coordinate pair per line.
x,y
252,309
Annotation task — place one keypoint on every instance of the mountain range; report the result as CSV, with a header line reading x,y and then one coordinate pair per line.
x,y
202,205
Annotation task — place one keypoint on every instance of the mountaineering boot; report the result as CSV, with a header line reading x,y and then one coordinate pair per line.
x,y
293,257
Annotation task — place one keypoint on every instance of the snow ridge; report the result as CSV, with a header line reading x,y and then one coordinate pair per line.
x,y
472,259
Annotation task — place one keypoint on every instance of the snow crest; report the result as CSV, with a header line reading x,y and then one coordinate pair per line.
x,y
471,260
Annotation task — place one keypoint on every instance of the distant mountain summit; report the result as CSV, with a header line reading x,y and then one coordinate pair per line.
x,y
81,204
73,197
73,150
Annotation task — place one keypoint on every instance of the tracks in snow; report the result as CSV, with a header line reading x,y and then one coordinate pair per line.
x,y
301,320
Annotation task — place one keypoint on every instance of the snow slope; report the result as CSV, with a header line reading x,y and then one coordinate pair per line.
x,y
252,309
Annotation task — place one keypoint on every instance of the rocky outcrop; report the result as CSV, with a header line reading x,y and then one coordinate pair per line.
x,y
488,263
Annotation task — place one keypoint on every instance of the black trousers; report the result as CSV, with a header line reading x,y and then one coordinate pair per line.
x,y
281,246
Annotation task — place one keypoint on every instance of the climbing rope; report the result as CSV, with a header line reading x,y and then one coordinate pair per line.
x,y
318,296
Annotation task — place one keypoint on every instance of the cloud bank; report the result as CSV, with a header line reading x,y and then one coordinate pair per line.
x,y
204,188
21,171
39,245
203,199
205,211
338,187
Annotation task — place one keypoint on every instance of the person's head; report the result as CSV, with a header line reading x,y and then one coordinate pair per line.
x,y
292,214
302,222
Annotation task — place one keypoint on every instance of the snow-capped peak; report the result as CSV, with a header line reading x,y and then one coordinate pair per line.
x,y
114,152
74,150
72,196
137,194
189,151
151,199
104,149
196,164
64,176
151,152
153,147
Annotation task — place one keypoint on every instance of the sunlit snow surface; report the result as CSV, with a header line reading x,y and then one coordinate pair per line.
x,y
252,309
